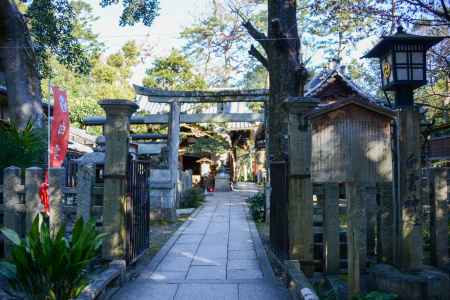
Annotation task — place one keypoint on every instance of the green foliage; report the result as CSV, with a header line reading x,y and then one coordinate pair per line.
x,y
377,295
216,42
135,11
107,80
58,29
257,207
22,147
324,291
46,265
173,72
209,144
340,24
192,198
52,30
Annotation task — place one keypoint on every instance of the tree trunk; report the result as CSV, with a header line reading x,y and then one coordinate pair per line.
x,y
286,76
18,61
283,63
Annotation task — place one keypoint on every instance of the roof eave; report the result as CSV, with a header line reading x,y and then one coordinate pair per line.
x,y
338,105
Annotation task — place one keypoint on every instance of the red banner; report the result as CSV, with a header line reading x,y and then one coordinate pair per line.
x,y
60,128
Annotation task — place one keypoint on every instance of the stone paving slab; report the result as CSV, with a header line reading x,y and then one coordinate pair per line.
x,y
217,254
207,292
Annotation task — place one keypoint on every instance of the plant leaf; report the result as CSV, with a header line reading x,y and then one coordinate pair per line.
x,y
8,270
11,235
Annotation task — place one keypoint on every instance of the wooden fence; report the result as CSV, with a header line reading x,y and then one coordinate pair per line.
x,y
377,223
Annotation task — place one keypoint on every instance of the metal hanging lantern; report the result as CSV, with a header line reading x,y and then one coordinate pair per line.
x,y
403,63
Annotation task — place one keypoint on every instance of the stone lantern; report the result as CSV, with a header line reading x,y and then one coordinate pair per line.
x,y
403,63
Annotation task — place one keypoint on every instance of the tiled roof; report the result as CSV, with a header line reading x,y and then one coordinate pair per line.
x,y
320,82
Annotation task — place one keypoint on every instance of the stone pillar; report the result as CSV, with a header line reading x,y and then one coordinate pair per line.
x,y
356,236
300,196
85,182
331,228
56,178
268,188
169,207
386,221
34,177
439,218
409,188
14,211
370,201
116,131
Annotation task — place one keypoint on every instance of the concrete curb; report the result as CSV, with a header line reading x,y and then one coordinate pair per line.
x,y
260,251
97,288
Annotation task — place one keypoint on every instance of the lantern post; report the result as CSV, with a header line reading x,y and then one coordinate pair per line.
x,y
402,59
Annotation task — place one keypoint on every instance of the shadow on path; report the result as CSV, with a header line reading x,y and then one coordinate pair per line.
x,y
216,255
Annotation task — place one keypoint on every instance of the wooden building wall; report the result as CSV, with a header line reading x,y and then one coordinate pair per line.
x,y
351,142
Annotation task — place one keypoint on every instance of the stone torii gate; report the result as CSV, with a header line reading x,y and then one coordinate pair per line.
x,y
175,118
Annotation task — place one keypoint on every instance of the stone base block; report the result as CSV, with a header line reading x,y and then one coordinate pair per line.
x,y
428,283
155,214
222,184
169,214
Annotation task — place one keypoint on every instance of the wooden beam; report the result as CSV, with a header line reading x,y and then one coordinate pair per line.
x,y
185,118
219,96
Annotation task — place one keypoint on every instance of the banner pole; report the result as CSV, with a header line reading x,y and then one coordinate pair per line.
x,y
49,121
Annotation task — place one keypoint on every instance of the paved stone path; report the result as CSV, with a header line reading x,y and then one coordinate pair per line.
x,y
217,255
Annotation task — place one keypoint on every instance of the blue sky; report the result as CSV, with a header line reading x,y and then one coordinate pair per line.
x,y
160,38
174,16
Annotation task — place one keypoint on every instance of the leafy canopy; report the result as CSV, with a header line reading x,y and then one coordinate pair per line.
x,y
109,78
173,72
54,29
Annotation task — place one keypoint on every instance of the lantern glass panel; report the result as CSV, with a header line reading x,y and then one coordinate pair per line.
x,y
402,73
401,57
417,73
417,57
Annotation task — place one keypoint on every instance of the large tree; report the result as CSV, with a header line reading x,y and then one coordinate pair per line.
x,y
173,72
216,42
282,59
31,33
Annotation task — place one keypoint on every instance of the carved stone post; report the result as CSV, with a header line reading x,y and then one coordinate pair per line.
x,y
33,179
386,220
116,130
300,196
356,236
11,189
331,228
85,177
169,206
409,188
370,201
439,218
56,197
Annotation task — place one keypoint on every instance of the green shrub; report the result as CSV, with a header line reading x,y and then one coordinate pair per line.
x,y
257,207
22,147
46,265
192,198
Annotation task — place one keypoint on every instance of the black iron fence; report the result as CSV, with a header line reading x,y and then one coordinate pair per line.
x,y
137,210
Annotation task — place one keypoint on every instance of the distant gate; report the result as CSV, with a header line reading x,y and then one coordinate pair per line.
x,y
137,209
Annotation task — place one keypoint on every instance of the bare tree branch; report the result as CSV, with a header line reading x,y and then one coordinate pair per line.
x,y
256,54
427,7
260,37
